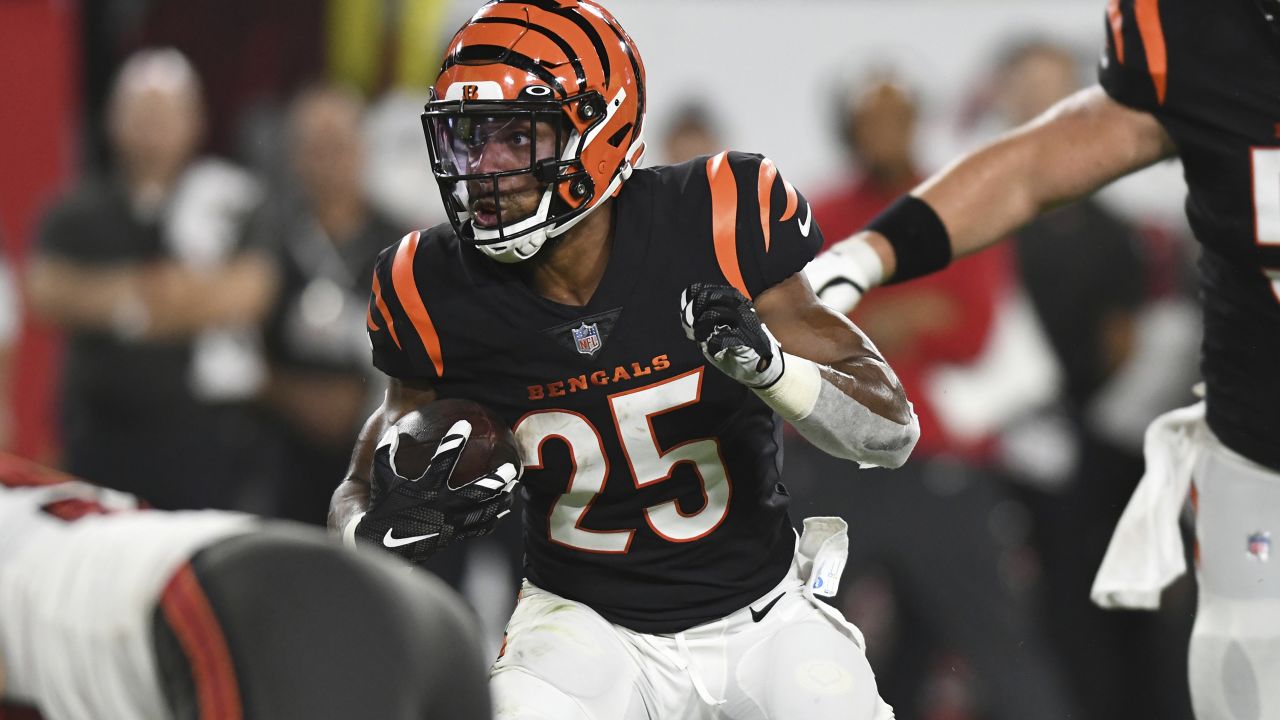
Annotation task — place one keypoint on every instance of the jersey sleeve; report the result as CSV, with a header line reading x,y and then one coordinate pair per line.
x,y
1133,67
763,227
397,315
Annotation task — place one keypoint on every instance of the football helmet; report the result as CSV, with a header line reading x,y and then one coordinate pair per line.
x,y
534,120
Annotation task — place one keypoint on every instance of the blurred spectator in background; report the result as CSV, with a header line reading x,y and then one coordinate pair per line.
x,y
692,132
327,239
940,533
1085,271
144,271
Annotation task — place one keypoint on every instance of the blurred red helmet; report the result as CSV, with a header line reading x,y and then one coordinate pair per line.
x,y
551,91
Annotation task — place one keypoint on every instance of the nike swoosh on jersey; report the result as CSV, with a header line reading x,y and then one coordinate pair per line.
x,y
807,221
758,615
391,541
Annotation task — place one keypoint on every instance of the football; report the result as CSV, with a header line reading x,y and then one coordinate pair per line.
x,y
491,443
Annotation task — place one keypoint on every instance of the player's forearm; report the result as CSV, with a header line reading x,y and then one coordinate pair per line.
x,y
854,409
351,499
1075,148
349,502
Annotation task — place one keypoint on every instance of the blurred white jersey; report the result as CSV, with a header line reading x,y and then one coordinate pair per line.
x,y
81,572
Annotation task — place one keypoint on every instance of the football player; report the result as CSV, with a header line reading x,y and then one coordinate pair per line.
x,y
113,612
644,331
1198,79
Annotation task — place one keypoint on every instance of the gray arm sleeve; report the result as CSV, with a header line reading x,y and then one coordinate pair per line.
x,y
844,428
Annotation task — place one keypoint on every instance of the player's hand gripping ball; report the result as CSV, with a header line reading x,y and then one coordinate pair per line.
x,y
724,324
443,472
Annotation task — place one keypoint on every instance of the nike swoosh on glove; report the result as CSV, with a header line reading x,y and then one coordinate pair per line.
x,y
724,324
416,517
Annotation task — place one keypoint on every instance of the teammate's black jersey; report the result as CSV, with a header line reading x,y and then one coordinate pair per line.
x,y
1209,71
651,478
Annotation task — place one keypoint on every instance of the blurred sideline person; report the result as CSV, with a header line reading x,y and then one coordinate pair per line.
x,y
113,612
691,133
933,528
664,575
145,273
326,238
1085,271
1191,78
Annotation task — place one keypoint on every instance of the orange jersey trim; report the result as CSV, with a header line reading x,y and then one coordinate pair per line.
x,y
1152,32
189,614
793,203
383,311
1115,18
768,173
406,287
724,219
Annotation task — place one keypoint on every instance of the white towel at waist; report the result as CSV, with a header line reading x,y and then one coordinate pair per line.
x,y
1146,552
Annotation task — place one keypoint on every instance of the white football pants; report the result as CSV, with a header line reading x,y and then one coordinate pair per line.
x,y
801,660
1234,661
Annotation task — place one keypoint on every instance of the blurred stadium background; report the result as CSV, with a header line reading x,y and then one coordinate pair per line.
x,y
779,78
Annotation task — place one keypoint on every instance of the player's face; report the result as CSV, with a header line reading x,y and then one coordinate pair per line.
x,y
503,144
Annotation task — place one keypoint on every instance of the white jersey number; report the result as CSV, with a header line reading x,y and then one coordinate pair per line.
x,y
1266,205
633,412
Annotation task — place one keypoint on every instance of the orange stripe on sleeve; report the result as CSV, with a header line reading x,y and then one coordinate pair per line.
x,y
383,311
1152,32
768,173
1116,18
368,320
724,219
792,202
407,291
189,614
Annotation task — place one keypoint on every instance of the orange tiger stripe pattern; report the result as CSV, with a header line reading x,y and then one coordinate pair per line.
x,y
793,203
1152,32
406,286
1115,17
383,311
768,173
724,219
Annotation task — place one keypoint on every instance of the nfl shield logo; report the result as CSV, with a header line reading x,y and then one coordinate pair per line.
x,y
1260,545
586,338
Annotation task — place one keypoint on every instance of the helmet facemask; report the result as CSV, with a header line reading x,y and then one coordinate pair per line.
x,y
510,172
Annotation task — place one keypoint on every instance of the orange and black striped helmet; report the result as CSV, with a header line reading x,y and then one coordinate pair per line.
x,y
550,92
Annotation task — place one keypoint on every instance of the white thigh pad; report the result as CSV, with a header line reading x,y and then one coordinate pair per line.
x,y
561,654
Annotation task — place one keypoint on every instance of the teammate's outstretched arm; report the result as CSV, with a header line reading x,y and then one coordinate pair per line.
x,y
1076,147
810,364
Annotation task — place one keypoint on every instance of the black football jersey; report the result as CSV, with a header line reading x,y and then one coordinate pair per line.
x,y
651,478
1209,71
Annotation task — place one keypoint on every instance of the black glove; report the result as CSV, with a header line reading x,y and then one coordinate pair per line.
x,y
414,518
724,324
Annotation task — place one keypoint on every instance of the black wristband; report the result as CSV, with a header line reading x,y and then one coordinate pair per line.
x,y
920,241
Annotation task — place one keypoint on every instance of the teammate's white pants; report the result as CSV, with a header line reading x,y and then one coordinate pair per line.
x,y
563,661
1234,661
